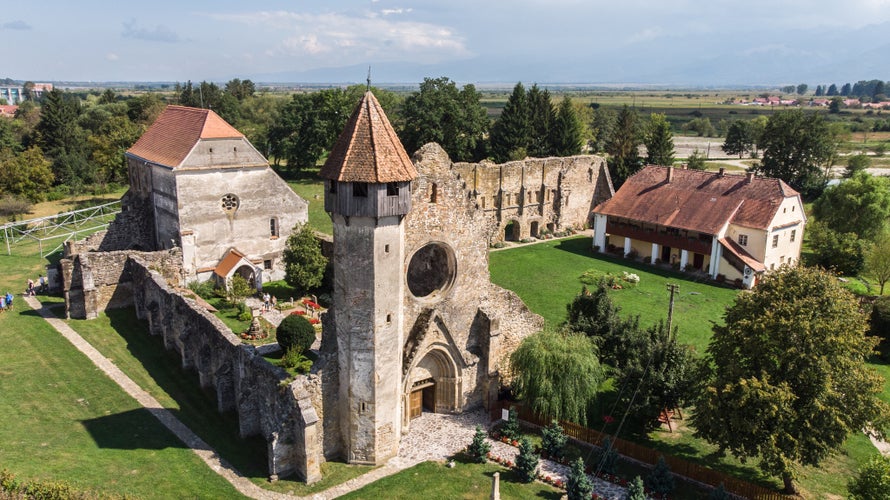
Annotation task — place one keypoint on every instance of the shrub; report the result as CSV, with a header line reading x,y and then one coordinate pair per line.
x,y
608,457
635,490
718,493
294,358
479,448
880,324
579,486
660,480
245,315
873,480
526,461
205,289
553,439
295,331
510,429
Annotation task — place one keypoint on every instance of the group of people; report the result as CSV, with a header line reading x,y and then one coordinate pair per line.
x,y
269,301
32,290
6,302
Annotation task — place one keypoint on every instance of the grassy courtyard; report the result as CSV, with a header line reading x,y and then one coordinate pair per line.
x,y
545,276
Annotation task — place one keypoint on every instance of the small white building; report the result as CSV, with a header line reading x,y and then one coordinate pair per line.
x,y
733,227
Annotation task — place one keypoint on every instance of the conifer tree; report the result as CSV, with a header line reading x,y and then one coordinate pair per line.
x,y
578,486
511,132
659,141
635,490
553,439
526,461
623,146
479,448
660,480
510,429
567,130
541,120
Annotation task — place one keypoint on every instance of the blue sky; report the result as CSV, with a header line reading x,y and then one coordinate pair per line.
x,y
701,42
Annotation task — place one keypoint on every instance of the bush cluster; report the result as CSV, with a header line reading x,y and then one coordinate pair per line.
x,y
295,332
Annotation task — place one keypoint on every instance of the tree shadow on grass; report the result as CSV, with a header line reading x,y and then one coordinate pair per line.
x,y
197,406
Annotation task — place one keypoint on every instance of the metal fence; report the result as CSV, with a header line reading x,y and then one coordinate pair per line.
x,y
46,235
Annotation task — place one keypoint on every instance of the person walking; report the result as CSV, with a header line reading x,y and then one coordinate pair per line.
x,y
30,290
9,301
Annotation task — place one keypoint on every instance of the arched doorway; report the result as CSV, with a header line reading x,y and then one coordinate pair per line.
x,y
533,230
249,275
511,231
432,385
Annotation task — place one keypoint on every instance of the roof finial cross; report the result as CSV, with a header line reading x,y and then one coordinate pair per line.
x,y
369,78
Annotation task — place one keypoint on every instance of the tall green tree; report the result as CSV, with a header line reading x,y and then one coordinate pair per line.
x,y
832,90
27,174
240,89
739,138
877,259
562,394
308,126
511,132
604,121
623,147
542,118
63,140
801,88
304,264
856,163
858,205
566,132
659,141
578,486
798,148
440,113
839,251
792,383
593,314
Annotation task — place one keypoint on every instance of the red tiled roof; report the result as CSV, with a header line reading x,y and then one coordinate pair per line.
x,y
743,255
172,136
228,262
8,109
697,200
368,149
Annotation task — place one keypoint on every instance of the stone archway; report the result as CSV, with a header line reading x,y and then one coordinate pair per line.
x,y
432,385
249,274
533,229
512,231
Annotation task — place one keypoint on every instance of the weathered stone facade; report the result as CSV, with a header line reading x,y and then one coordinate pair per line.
x,y
535,195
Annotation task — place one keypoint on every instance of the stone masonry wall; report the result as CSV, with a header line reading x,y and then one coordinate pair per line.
x,y
537,194
267,403
131,229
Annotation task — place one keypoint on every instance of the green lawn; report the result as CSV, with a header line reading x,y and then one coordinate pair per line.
x,y
433,481
310,187
63,420
545,276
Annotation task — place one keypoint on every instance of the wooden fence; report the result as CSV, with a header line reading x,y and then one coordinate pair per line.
x,y
646,455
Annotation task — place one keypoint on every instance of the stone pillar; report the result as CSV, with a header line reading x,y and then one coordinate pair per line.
x,y
496,486
684,259
627,246
654,253
599,232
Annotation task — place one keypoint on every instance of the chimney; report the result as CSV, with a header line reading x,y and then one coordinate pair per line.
x,y
670,176
749,177
722,171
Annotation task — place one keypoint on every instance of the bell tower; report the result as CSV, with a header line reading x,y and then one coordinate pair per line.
x,y
367,194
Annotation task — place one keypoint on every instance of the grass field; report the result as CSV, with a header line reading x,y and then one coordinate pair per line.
x,y
545,276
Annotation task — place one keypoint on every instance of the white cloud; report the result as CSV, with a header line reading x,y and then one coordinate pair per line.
x,y
387,12
645,35
352,38
111,56
159,33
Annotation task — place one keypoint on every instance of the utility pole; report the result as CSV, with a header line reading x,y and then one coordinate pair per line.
x,y
673,288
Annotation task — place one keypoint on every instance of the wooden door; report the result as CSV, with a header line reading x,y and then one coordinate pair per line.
x,y
416,403
698,260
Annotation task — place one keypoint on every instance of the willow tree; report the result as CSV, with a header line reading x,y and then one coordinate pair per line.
x,y
557,374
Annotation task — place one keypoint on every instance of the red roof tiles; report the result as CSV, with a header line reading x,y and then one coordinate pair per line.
x,y
697,200
170,139
368,149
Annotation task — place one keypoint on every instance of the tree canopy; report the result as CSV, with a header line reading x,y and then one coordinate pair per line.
x,y
441,113
740,138
797,148
787,380
860,204
659,141
304,264
557,374
623,146
511,133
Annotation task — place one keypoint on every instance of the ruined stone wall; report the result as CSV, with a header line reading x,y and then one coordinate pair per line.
x,y
537,194
131,229
478,322
266,401
95,281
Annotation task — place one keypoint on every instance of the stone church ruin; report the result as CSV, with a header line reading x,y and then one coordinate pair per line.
x,y
416,324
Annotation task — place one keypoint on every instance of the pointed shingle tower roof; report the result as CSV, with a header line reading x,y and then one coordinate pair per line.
x,y
368,149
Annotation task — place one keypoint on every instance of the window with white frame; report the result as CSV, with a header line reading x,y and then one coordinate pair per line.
x,y
775,241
